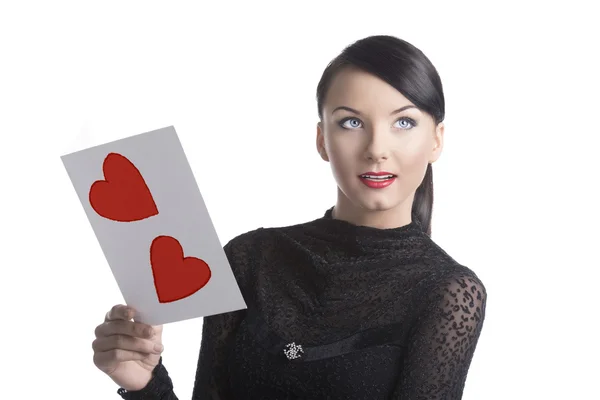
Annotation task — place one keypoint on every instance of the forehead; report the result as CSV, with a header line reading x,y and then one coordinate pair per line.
x,y
359,89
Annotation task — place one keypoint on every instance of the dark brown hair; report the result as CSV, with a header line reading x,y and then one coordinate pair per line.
x,y
409,71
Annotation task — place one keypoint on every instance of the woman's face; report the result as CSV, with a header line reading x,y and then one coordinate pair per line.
x,y
368,128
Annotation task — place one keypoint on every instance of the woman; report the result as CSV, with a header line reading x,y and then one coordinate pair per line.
x,y
357,304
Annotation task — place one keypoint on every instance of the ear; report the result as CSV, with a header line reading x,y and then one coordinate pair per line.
x,y
321,142
438,143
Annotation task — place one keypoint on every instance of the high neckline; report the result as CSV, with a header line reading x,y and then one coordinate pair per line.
x,y
345,233
413,227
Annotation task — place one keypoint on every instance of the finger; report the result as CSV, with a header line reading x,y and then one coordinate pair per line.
x,y
120,311
107,358
123,342
122,327
117,312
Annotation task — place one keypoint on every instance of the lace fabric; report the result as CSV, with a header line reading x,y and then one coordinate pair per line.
x,y
339,311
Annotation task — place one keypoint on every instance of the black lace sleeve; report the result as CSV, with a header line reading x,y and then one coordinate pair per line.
x,y
443,341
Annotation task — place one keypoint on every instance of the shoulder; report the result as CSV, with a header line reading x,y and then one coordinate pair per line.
x,y
262,237
463,281
243,240
247,252
447,267
251,246
452,279
242,248
253,239
458,296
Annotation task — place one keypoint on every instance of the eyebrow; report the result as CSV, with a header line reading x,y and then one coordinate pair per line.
x,y
357,112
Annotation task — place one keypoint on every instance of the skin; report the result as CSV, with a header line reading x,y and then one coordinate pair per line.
x,y
375,139
126,350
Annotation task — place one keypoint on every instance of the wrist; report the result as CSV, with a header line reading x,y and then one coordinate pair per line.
x,y
141,382
156,387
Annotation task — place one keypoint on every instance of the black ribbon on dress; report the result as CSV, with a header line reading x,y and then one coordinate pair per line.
x,y
389,335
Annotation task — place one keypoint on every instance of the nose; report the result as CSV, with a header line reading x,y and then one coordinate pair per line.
x,y
377,149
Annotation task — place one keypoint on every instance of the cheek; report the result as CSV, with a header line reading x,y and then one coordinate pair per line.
x,y
415,146
342,151
412,161
413,171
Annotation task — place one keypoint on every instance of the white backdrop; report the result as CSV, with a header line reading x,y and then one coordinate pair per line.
x,y
516,187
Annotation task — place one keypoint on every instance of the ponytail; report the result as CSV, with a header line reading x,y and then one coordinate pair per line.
x,y
422,207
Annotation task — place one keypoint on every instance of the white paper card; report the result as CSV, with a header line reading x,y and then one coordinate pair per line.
x,y
145,207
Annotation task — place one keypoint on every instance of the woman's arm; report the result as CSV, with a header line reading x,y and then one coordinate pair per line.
x,y
160,387
442,343
218,334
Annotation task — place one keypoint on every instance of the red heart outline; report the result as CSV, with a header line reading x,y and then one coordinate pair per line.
x,y
123,196
175,276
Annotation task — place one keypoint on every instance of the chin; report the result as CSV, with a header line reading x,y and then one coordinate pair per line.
x,y
373,201
379,205
376,203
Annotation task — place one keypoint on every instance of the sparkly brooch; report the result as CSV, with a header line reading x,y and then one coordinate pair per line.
x,y
293,351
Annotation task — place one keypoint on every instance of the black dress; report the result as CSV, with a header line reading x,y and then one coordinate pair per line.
x,y
339,311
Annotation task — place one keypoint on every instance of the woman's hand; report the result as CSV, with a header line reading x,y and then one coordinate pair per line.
x,y
125,350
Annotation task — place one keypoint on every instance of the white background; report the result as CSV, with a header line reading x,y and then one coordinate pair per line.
x,y
516,188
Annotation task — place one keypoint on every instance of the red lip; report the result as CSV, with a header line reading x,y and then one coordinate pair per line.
x,y
377,184
382,173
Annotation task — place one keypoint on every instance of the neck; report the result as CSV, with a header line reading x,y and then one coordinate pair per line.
x,y
381,219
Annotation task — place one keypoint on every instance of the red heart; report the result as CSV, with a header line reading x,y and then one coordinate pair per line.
x,y
124,195
175,277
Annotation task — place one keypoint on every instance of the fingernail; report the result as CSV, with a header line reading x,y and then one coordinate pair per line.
x,y
158,347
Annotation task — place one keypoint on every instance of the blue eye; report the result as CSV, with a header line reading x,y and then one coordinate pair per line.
x,y
411,122
355,122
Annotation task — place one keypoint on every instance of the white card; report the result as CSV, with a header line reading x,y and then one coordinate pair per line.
x,y
145,207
